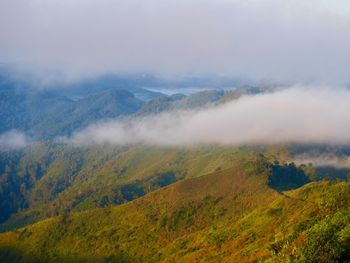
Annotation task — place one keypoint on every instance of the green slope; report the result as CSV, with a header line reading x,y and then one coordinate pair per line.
x,y
48,179
158,218
229,215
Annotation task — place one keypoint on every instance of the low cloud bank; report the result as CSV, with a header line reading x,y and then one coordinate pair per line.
x,y
295,115
13,139
324,160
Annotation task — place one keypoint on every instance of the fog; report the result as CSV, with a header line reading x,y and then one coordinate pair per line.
x,y
324,160
296,115
291,40
13,140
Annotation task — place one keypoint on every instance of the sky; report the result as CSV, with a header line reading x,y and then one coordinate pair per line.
x,y
291,40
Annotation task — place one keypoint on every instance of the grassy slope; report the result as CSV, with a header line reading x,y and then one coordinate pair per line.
x,y
77,180
230,215
163,217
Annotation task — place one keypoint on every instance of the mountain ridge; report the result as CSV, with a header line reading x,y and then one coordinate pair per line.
x,y
227,215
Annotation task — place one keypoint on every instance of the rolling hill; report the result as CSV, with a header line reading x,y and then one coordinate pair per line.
x,y
46,114
230,215
46,179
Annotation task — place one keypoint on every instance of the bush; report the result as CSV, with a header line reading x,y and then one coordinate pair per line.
x,y
328,241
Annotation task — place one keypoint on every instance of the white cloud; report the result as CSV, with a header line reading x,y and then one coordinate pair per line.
x,y
13,139
299,115
326,159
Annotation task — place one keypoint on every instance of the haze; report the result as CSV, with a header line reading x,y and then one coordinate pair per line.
x,y
292,40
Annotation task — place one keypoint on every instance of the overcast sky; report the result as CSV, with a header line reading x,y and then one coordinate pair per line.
x,y
294,40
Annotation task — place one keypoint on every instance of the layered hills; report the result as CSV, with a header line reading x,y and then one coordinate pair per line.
x,y
58,109
67,202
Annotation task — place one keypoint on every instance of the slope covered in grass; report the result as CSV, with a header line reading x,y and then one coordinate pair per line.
x,y
47,179
229,215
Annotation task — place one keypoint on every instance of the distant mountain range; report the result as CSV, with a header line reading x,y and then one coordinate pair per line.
x,y
58,110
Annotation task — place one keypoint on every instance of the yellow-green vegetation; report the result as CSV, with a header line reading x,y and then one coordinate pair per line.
x,y
230,215
52,179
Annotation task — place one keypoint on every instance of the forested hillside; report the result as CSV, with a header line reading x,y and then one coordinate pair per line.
x,y
47,179
229,215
